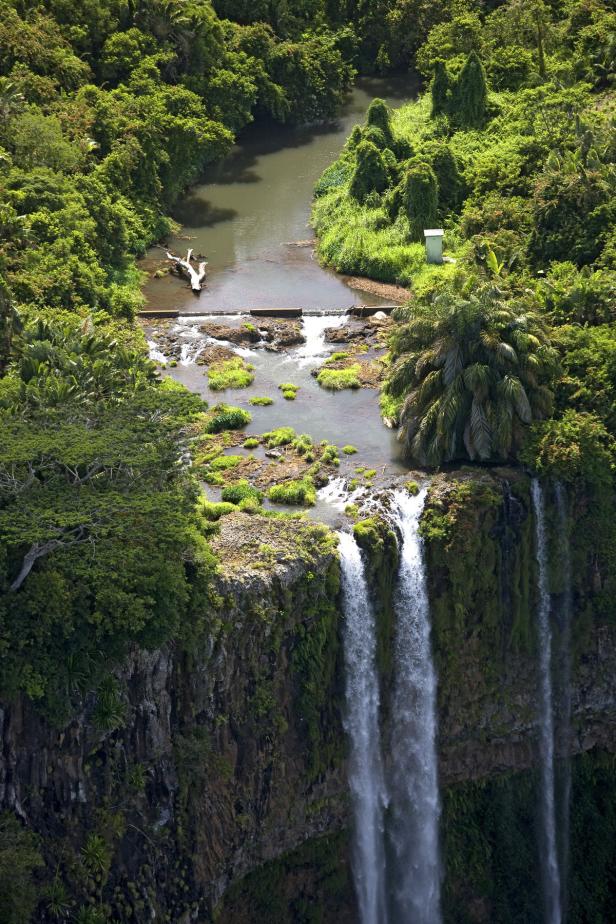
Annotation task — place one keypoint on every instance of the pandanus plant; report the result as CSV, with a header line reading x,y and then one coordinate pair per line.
x,y
473,371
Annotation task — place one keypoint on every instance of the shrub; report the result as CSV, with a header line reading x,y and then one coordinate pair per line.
x,y
236,493
440,90
470,96
227,417
370,174
294,492
338,379
378,116
420,199
575,447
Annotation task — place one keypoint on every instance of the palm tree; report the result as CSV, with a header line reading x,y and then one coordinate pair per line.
x,y
472,372
11,99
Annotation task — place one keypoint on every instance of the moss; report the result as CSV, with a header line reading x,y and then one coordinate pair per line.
x,y
251,443
260,402
349,450
352,511
302,444
412,487
309,885
226,417
300,491
330,456
235,493
230,373
369,472
380,547
336,357
339,379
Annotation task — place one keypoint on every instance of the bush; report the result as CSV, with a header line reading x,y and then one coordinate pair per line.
x,y
236,493
470,95
370,174
226,417
338,379
575,447
420,197
230,373
294,492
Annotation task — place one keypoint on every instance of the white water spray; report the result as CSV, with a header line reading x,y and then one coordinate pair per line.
x,y
549,852
362,727
313,328
414,794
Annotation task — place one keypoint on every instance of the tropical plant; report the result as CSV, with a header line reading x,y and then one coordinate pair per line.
x,y
473,371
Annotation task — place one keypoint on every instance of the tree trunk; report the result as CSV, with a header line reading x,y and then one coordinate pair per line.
x,y
195,276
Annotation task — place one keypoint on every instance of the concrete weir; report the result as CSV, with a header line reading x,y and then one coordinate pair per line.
x,y
358,311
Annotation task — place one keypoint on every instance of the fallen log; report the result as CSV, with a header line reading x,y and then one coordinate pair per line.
x,y
195,276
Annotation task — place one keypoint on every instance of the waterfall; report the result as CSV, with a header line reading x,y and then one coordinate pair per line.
x,y
564,731
414,795
362,727
549,853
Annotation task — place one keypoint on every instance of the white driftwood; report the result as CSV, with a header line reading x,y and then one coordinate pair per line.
x,y
195,276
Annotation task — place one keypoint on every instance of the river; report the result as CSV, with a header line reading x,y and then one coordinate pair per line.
x,y
251,220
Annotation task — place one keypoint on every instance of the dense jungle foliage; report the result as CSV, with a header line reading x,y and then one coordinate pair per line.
x,y
513,151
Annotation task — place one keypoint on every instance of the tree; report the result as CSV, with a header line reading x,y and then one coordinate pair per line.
x,y
370,173
440,90
470,96
474,372
420,198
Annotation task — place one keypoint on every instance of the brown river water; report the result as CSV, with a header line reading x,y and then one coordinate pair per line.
x,y
248,219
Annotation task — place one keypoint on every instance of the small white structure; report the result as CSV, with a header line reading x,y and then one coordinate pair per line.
x,y
434,244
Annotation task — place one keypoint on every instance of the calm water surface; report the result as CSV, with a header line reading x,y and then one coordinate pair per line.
x,y
248,221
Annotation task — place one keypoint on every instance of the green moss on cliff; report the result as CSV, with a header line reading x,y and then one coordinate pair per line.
x,y
308,886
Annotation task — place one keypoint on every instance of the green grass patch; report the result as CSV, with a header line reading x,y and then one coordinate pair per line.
x,y
223,463
339,379
251,443
349,450
301,491
212,510
230,373
227,417
281,436
260,402
336,357
236,493
289,391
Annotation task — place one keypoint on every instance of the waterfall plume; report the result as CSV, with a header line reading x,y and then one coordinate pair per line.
x,y
362,726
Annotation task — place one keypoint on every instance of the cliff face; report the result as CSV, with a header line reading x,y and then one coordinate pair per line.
x,y
225,767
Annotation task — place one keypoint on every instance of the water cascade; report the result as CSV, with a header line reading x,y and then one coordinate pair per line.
x,y
414,794
313,328
564,729
362,727
549,852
